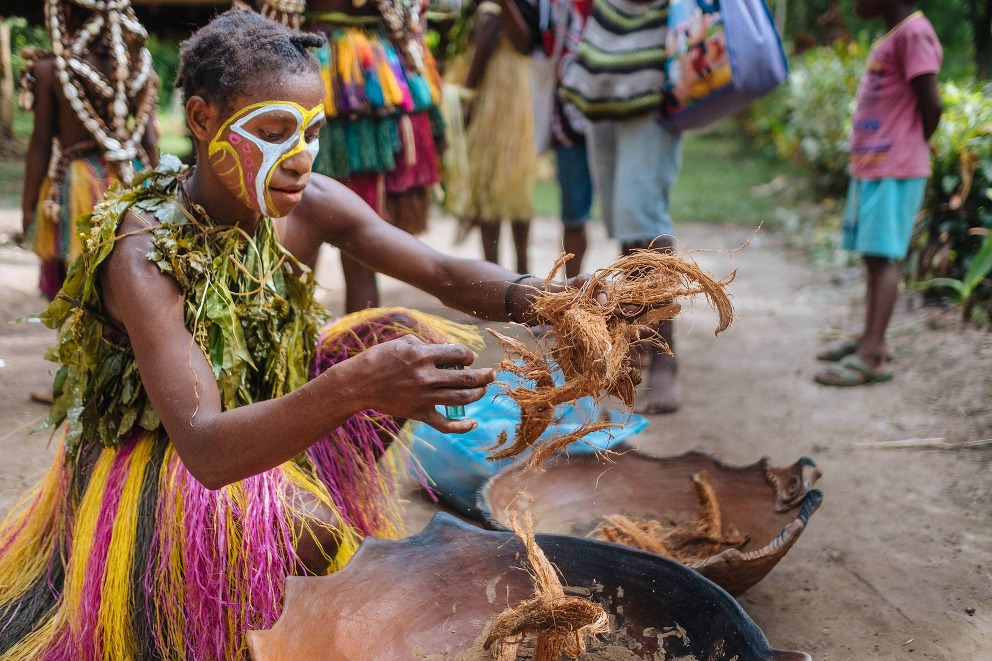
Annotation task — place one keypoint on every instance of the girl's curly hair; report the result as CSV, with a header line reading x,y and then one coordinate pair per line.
x,y
240,49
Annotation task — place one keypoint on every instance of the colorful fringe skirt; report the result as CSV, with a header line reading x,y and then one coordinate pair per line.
x,y
121,554
501,157
84,176
383,124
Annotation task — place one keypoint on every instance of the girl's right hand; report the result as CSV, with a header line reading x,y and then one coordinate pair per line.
x,y
406,378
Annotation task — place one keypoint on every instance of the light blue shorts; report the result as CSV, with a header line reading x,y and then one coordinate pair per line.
x,y
575,184
634,164
879,216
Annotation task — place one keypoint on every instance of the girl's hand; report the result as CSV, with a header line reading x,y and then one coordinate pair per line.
x,y
405,378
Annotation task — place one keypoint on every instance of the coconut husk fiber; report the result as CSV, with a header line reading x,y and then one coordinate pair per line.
x,y
591,341
683,540
559,623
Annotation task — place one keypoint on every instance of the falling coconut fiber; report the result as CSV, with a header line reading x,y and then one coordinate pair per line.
x,y
593,330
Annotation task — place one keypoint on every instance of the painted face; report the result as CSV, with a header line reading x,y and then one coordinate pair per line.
x,y
251,145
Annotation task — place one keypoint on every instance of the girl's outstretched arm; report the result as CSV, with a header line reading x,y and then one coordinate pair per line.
x,y
330,213
400,378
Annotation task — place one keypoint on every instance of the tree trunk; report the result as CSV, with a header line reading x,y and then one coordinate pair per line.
x,y
981,25
6,83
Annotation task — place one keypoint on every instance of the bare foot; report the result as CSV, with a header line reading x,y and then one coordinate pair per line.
x,y
41,397
660,395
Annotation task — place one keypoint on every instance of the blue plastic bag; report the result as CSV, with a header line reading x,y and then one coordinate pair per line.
x,y
456,464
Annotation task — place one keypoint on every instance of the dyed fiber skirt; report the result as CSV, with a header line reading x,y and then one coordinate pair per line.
x,y
121,554
53,232
499,141
383,124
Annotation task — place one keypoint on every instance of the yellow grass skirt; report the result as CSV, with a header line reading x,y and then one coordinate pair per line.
x,y
502,160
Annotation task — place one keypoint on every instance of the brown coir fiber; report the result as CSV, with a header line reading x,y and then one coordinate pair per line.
x,y
591,341
685,541
558,622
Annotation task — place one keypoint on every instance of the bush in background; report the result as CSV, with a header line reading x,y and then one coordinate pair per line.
x,y
808,119
957,214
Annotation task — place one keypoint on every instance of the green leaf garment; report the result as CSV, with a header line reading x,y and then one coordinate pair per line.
x,y
119,552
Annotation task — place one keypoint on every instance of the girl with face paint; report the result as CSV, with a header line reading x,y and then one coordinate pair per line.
x,y
214,431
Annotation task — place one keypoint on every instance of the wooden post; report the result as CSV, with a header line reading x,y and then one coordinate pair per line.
x,y
6,82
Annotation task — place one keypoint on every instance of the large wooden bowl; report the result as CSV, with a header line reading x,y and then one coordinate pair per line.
x,y
771,505
432,596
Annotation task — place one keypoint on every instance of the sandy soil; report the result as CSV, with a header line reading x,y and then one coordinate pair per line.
x,y
896,564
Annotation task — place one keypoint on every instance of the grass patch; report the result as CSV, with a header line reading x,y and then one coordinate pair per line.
x,y
719,170
11,181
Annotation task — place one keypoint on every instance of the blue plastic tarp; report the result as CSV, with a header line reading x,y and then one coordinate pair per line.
x,y
456,464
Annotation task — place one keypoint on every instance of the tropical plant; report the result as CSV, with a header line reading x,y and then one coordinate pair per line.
x,y
951,252
963,291
808,120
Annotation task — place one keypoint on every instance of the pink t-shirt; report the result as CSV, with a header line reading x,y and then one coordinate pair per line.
x,y
887,134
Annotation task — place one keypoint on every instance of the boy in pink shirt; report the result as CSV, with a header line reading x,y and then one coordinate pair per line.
x,y
898,108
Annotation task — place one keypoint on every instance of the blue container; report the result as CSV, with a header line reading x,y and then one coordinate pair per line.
x,y
456,464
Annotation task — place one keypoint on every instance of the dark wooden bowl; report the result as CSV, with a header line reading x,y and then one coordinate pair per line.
x,y
771,505
432,596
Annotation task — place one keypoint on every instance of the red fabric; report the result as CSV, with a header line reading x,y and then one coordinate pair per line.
x,y
424,171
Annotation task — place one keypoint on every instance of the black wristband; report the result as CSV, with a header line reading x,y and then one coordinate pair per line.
x,y
509,290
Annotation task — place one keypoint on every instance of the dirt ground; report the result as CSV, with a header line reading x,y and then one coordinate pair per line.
x,y
896,564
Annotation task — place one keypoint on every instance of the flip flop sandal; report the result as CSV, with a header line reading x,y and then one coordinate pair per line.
x,y
852,371
840,350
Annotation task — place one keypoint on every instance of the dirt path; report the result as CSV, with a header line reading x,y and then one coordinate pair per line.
x,y
899,554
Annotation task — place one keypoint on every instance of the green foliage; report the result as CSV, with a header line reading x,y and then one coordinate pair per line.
x,y
949,252
808,119
978,269
24,35
165,59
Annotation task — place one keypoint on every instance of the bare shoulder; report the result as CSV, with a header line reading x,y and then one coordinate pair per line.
x,y
130,281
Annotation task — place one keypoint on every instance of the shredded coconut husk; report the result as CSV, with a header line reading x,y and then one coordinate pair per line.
x,y
559,623
591,341
684,541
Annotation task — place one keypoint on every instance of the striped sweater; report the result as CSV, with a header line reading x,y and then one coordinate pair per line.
x,y
620,68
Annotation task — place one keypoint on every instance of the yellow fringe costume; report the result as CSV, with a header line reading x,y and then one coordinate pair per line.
x,y
119,553
502,160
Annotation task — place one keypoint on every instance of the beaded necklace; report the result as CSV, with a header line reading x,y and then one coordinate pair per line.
x,y
131,83
287,12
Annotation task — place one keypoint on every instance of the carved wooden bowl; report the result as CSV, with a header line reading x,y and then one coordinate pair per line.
x,y
431,597
770,505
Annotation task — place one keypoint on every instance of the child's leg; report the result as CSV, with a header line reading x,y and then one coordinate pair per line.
x,y
661,395
490,240
883,289
648,160
319,530
521,235
575,189
574,241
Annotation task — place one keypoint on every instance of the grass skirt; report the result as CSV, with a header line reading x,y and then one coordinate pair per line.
x,y
85,178
383,124
501,157
122,554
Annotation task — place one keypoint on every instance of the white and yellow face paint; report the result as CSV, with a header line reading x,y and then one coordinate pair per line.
x,y
245,162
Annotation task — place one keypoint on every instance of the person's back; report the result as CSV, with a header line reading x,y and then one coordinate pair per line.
x,y
93,100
